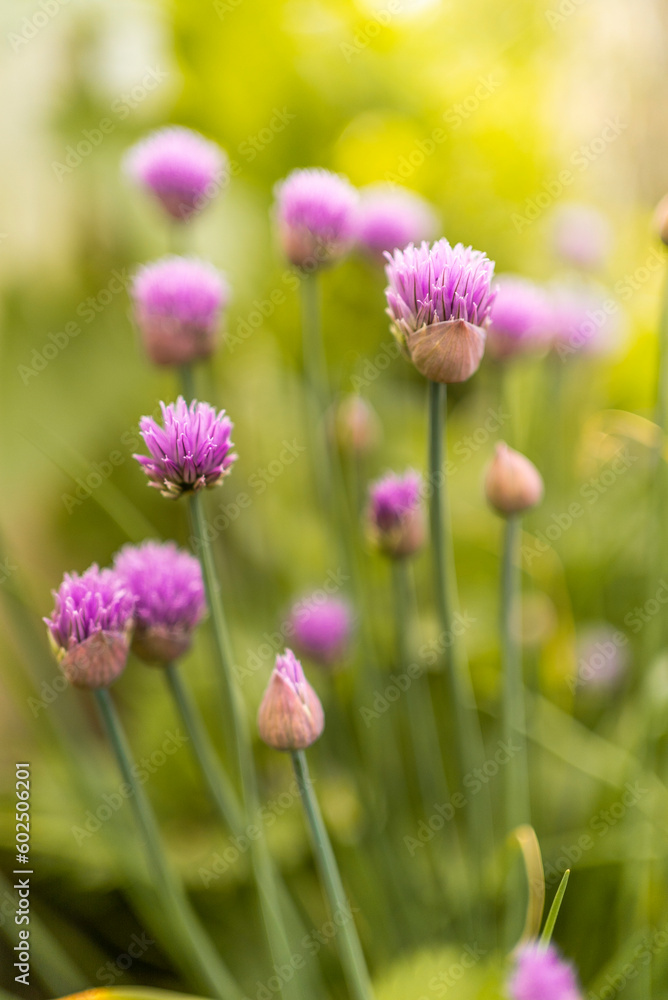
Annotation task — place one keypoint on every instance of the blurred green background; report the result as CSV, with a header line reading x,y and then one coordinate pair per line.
x,y
479,107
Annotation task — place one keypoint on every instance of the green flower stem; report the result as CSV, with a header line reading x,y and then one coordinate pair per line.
x,y
187,380
517,803
432,779
350,949
204,965
263,867
470,744
220,787
516,797
315,362
428,759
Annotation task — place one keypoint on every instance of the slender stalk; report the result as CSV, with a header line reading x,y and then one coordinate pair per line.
x,y
220,787
470,744
315,363
350,949
548,929
517,803
263,867
205,966
431,779
187,380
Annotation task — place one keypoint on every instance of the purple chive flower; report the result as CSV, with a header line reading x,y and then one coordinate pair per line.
x,y
585,320
439,300
180,167
290,716
520,317
166,583
395,515
321,628
90,627
192,450
582,235
177,305
390,216
540,974
316,213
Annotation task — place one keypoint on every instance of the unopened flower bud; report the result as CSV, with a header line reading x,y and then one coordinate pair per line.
x,y
355,426
513,484
395,515
290,715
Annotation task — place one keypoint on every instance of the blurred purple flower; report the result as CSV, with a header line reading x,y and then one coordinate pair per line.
x,y
540,974
602,657
316,212
439,301
180,167
322,628
390,217
90,626
177,304
520,319
167,585
585,320
290,716
192,450
582,235
395,514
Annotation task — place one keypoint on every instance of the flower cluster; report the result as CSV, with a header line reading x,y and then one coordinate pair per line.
x,y
90,626
322,628
181,168
390,217
166,583
316,214
191,451
520,319
395,516
541,973
439,301
177,305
